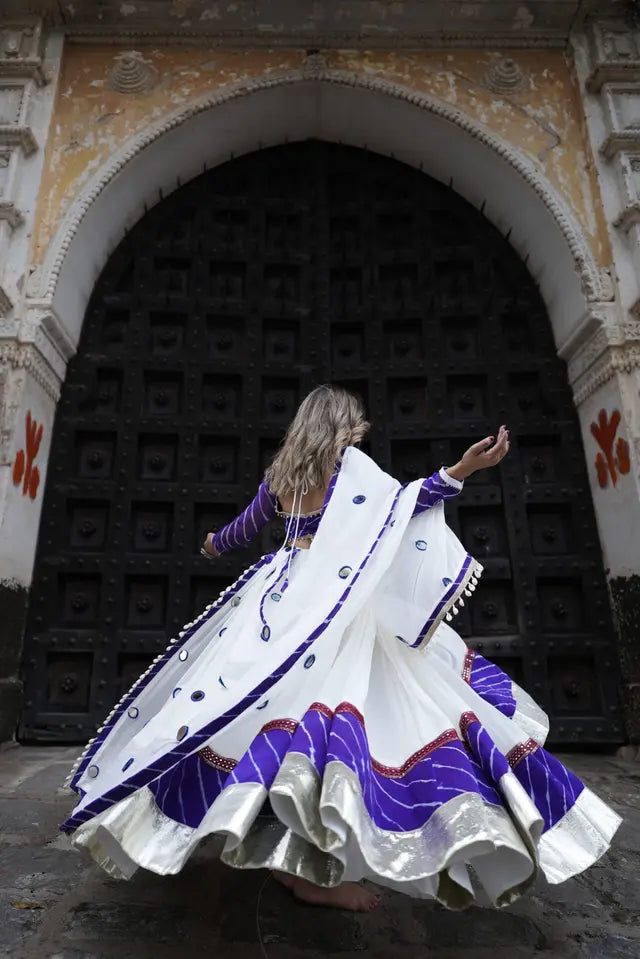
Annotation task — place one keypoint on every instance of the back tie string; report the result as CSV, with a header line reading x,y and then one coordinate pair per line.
x,y
292,540
293,524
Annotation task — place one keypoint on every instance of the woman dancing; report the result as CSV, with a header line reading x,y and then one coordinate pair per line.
x,y
327,689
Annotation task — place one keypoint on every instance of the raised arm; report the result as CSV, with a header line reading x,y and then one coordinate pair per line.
x,y
439,486
448,481
244,527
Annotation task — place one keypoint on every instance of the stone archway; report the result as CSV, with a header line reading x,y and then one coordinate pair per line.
x,y
270,273
341,107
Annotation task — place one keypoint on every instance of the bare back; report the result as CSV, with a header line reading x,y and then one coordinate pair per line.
x,y
311,501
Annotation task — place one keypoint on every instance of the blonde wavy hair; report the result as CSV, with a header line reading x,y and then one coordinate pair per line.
x,y
328,419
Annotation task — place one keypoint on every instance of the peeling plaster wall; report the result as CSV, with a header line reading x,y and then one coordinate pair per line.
x,y
543,120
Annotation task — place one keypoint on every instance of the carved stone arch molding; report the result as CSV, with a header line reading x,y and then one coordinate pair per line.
x,y
355,109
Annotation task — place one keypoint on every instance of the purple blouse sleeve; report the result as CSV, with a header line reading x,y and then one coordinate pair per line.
x,y
435,488
248,524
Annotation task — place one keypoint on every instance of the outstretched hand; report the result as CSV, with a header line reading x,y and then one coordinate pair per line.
x,y
488,452
208,548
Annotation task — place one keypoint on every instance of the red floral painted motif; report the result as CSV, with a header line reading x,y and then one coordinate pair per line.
x,y
613,458
24,469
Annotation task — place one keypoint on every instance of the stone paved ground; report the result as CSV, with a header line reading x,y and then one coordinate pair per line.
x,y
54,904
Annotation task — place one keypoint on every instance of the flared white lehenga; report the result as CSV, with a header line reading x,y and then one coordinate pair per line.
x,y
329,682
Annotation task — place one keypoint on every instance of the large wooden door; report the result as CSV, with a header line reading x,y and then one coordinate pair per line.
x,y
297,265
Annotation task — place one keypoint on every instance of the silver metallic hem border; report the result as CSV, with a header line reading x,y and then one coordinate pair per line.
x,y
324,833
582,836
331,813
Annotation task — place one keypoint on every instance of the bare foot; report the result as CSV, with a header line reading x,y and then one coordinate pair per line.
x,y
348,895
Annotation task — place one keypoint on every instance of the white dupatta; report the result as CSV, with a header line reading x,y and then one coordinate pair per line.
x,y
368,549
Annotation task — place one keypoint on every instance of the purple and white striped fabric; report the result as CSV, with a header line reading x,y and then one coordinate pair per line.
x,y
553,788
398,799
264,507
436,488
490,682
260,511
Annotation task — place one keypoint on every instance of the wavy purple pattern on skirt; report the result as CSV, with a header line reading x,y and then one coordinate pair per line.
x,y
553,788
401,803
493,684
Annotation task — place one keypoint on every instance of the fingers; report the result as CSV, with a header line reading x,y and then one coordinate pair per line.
x,y
493,455
502,446
489,451
482,446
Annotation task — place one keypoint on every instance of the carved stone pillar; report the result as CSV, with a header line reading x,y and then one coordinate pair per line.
x,y
30,369
605,366
21,74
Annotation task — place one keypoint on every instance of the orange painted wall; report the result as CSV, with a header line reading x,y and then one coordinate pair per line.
x,y
544,121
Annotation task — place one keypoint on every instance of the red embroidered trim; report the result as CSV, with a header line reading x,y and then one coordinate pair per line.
x,y
340,708
216,760
396,772
468,665
349,708
466,720
518,753
288,725
321,708
514,756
